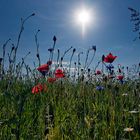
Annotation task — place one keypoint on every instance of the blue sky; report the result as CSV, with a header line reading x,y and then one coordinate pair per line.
x,y
111,31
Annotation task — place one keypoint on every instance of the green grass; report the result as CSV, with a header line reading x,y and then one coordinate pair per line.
x,y
80,111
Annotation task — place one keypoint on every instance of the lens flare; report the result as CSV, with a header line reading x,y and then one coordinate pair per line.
x,y
83,18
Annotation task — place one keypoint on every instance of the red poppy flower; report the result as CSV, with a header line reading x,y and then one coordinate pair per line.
x,y
39,88
109,58
59,73
98,72
120,77
51,80
43,68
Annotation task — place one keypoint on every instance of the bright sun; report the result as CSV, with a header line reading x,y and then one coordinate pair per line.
x,y
83,18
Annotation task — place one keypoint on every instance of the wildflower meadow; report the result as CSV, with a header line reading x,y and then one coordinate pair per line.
x,y
79,102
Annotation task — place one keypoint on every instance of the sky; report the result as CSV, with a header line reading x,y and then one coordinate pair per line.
x,y
110,30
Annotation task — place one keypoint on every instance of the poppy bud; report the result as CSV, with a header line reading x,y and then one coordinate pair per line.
x,y
82,78
94,48
50,49
88,70
120,70
103,57
22,59
1,60
61,58
54,39
74,50
13,48
111,72
33,14
37,55
49,62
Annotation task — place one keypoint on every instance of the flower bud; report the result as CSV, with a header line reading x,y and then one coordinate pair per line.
x,y
50,49
88,70
94,48
1,60
74,50
37,55
49,62
33,14
61,58
13,48
54,39
103,57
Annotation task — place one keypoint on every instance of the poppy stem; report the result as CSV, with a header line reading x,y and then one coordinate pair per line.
x,y
19,37
58,55
71,60
51,57
86,59
91,60
79,63
97,66
4,49
37,45
62,58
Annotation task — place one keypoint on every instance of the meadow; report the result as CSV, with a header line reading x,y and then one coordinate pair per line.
x,y
56,103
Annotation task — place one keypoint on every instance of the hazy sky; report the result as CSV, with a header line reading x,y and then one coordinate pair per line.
x,y
111,30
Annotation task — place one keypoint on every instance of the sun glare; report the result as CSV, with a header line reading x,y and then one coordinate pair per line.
x,y
83,18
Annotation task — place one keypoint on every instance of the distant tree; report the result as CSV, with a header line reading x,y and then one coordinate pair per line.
x,y
135,19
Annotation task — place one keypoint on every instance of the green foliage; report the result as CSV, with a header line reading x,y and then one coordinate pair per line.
x,y
79,112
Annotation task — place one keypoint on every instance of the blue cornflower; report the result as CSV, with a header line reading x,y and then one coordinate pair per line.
x,y
99,88
110,67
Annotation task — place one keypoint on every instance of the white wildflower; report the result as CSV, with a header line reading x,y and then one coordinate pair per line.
x,y
128,129
133,112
